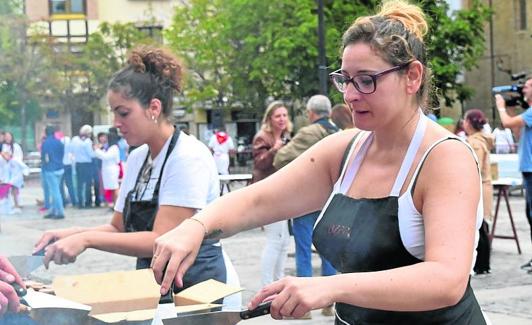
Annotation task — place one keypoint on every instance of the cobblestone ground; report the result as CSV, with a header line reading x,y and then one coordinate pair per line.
x,y
505,294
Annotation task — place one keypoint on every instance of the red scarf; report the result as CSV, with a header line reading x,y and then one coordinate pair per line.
x,y
221,137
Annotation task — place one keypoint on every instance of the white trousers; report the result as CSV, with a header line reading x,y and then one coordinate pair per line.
x,y
275,252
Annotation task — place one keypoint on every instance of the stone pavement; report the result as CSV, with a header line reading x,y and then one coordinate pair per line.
x,y
505,295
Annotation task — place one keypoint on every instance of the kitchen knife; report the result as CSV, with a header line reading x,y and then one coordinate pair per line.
x,y
220,317
26,264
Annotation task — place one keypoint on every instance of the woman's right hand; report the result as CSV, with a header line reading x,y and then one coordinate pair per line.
x,y
50,236
174,252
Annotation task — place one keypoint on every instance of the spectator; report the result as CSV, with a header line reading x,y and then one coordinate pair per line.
x,y
221,145
16,168
482,144
523,121
2,135
68,176
318,110
341,117
109,154
124,148
504,140
52,153
273,135
81,149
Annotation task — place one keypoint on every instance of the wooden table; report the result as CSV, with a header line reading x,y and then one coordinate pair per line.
x,y
502,186
227,180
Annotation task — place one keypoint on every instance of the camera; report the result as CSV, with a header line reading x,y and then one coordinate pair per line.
x,y
513,94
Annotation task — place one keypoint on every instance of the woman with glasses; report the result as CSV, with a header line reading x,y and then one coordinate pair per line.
x,y
170,176
400,200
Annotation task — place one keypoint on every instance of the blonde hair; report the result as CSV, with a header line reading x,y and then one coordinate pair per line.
x,y
266,119
396,33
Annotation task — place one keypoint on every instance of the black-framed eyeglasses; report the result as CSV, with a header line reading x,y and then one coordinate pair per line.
x,y
365,83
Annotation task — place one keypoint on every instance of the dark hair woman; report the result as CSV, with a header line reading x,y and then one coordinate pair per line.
x,y
169,177
482,143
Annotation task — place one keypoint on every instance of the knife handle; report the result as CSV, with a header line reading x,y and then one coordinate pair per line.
x,y
21,292
169,296
261,310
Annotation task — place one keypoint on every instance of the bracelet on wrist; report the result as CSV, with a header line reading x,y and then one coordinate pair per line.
x,y
501,109
201,223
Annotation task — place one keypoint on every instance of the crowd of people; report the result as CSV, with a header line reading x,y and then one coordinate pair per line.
x,y
362,184
80,172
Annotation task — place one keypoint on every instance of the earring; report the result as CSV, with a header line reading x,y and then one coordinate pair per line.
x,y
154,119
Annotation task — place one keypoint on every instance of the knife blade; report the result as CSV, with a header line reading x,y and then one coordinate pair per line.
x,y
220,317
25,264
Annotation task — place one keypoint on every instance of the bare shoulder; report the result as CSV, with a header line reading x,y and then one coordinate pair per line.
x,y
332,148
451,159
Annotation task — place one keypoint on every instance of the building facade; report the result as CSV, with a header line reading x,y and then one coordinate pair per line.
x,y
72,21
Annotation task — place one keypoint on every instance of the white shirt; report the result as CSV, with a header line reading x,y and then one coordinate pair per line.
x,y
221,148
189,179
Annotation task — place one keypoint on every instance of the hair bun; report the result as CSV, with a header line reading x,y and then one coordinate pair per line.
x,y
411,16
159,62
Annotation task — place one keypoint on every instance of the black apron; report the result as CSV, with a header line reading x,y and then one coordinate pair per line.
x,y
139,215
362,235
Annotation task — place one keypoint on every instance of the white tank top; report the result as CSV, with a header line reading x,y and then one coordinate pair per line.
x,y
411,225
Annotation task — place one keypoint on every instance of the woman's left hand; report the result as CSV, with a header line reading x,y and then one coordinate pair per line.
x,y
293,296
65,251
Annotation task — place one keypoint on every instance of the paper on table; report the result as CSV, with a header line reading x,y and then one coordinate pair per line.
x,y
37,299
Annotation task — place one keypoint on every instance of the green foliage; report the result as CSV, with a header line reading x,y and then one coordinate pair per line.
x,y
247,51
454,44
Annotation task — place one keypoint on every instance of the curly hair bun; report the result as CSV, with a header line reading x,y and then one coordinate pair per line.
x,y
411,16
159,62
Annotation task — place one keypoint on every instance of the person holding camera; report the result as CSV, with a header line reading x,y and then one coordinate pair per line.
x,y
523,121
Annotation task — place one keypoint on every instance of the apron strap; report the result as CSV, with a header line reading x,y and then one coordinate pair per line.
x,y
413,147
350,170
171,146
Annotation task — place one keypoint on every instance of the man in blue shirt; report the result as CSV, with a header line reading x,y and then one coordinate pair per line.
x,y
524,121
52,152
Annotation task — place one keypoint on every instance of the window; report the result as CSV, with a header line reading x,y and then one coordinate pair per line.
x,y
58,7
154,32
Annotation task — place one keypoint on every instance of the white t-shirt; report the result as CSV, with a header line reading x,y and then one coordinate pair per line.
x,y
504,141
189,179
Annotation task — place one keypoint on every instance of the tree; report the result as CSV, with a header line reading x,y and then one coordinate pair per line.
x,y
23,68
249,50
455,43
199,36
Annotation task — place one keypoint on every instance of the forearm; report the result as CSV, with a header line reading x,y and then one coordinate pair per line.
x,y
423,286
139,244
106,228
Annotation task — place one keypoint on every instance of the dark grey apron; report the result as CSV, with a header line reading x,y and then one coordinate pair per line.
x,y
362,235
139,215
